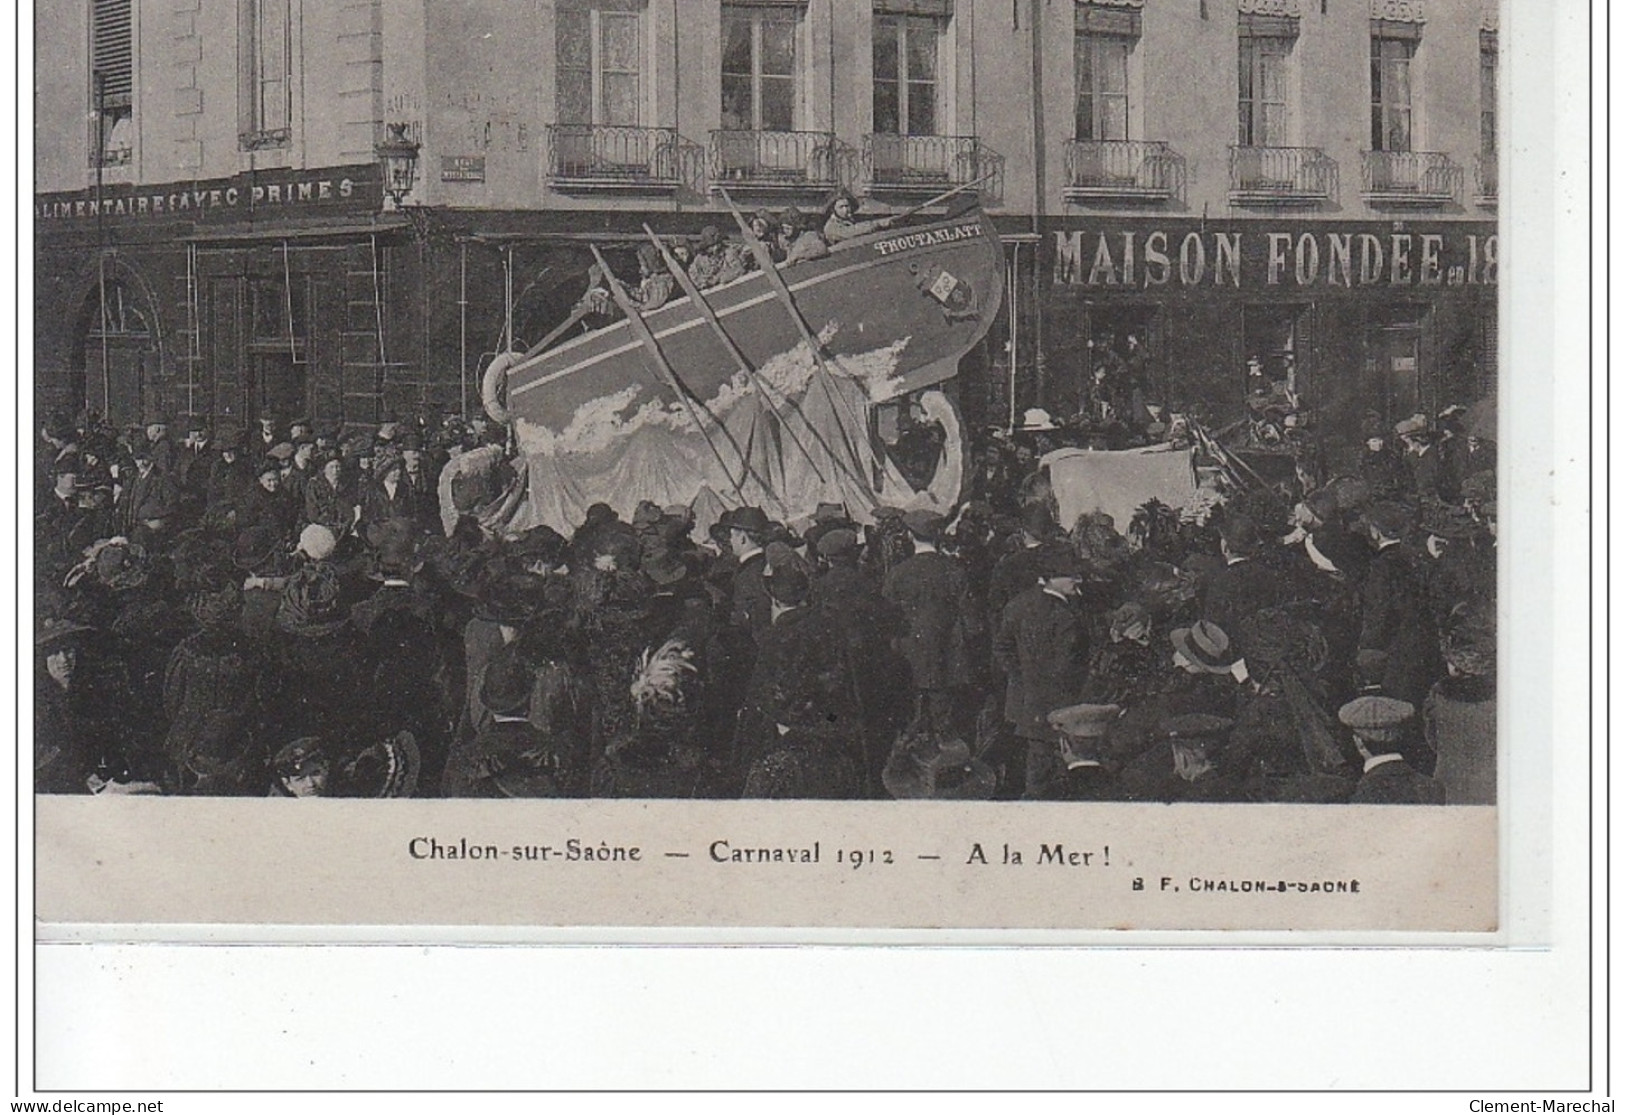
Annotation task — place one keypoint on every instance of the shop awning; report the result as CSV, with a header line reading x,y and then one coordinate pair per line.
x,y
280,232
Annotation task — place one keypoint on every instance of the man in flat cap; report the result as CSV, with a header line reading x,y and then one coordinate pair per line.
x,y
1421,455
1379,724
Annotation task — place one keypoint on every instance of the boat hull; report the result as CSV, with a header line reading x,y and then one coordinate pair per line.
x,y
601,419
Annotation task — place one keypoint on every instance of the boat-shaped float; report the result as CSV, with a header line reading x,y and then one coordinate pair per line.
x,y
719,399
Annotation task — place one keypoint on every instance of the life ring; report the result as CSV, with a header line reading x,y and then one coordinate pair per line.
x,y
492,383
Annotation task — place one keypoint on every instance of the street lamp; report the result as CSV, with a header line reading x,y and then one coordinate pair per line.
x,y
398,156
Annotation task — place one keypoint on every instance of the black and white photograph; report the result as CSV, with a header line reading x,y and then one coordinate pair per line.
x,y
770,400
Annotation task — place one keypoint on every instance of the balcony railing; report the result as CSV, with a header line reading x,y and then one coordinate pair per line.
x,y
783,161
1410,178
904,166
1122,170
613,157
1488,169
1281,176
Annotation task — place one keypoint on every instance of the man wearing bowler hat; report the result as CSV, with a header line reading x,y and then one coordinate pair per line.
x,y
1042,645
751,609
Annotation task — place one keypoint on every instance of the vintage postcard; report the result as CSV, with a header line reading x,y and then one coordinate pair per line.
x,y
888,465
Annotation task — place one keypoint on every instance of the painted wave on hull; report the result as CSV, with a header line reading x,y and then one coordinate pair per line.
x,y
803,441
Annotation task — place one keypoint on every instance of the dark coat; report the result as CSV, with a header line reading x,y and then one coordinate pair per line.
x,y
1458,722
62,751
940,619
402,653
804,680
1043,647
257,507
1427,474
58,535
224,490
410,501
1396,622
313,685
211,699
752,607
1241,590
1395,783
325,505
153,497
1014,574
1385,472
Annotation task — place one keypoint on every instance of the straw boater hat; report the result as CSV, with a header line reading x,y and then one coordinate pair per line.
x,y
1206,645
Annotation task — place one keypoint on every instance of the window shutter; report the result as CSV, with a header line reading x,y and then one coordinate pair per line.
x,y
939,9
112,50
1097,19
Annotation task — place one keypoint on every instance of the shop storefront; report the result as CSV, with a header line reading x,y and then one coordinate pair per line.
x,y
1340,322
263,294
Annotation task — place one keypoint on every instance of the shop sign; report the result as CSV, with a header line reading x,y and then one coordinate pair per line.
x,y
330,191
462,168
1262,258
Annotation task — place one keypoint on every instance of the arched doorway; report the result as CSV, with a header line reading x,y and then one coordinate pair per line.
x,y
120,354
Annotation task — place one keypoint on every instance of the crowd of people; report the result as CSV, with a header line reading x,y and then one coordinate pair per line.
x,y
711,259
303,610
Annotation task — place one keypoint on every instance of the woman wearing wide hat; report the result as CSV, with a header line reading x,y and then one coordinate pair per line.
x,y
211,684
316,671
63,738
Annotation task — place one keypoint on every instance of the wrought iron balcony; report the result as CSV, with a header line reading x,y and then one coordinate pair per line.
x,y
777,161
1422,179
1488,169
604,157
920,166
1281,176
1122,170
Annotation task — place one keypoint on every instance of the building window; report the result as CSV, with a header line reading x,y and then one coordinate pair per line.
x,y
1100,62
267,32
112,83
1392,58
906,68
1263,100
1487,58
600,50
759,67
